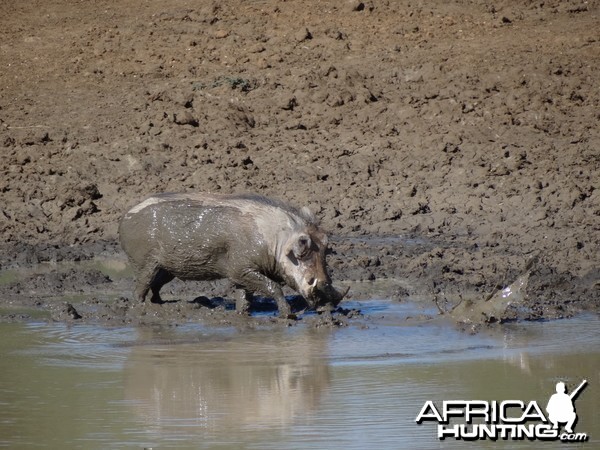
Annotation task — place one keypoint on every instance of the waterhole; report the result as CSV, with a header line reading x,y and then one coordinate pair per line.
x,y
362,386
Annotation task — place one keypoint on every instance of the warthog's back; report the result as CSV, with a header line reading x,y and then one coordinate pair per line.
x,y
172,224
258,206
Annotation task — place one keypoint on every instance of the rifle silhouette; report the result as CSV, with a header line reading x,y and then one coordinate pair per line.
x,y
573,394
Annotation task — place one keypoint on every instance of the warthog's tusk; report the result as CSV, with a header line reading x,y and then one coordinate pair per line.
x,y
344,294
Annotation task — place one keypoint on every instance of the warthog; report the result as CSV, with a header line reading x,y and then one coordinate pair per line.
x,y
256,242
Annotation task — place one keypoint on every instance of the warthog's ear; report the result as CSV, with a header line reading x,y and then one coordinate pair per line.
x,y
300,247
308,215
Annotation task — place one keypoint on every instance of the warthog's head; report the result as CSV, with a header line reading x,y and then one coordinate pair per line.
x,y
305,268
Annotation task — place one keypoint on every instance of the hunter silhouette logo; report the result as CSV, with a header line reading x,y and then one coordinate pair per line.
x,y
560,406
509,419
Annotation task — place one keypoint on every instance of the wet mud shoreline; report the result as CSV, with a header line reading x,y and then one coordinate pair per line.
x,y
451,150
92,283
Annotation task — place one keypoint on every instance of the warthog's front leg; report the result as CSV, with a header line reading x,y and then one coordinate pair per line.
x,y
257,282
243,300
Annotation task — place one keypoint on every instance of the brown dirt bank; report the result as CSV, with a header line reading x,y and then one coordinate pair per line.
x,y
444,144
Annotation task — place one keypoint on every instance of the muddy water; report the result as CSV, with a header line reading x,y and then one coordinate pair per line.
x,y
357,387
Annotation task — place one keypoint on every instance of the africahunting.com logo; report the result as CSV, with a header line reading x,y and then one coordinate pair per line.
x,y
508,419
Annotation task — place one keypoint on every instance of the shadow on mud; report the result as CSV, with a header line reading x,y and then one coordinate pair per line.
x,y
259,304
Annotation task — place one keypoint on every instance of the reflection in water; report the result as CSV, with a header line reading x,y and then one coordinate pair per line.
x,y
353,388
265,379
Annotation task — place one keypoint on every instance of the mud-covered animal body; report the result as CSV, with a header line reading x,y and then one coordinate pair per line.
x,y
256,242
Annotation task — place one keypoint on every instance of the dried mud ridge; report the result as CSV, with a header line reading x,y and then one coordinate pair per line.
x,y
443,144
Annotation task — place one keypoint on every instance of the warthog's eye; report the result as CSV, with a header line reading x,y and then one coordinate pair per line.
x,y
302,247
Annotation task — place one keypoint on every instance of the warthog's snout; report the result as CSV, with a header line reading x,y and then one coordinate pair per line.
x,y
325,294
